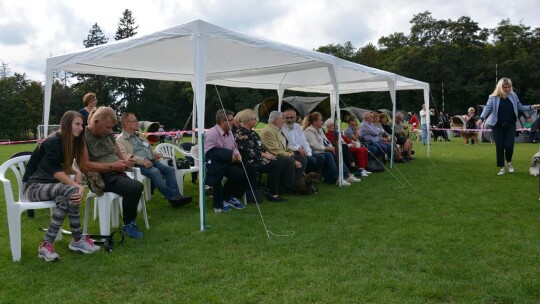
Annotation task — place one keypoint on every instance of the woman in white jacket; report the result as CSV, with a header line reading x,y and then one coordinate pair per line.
x,y
320,144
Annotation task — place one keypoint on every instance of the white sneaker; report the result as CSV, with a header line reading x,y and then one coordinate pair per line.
x,y
343,183
510,168
353,179
501,172
364,173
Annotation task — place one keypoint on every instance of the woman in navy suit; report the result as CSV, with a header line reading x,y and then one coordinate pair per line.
x,y
503,104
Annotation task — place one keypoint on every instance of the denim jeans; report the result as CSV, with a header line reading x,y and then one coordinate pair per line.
x,y
425,135
164,177
330,170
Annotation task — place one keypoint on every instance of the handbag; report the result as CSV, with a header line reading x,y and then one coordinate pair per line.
x,y
95,182
374,164
254,196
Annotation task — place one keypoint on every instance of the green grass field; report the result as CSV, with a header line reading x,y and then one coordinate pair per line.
x,y
456,233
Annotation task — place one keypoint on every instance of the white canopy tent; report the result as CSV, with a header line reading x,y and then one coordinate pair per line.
x,y
202,53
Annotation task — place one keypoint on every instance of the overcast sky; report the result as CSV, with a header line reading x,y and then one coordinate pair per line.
x,y
32,30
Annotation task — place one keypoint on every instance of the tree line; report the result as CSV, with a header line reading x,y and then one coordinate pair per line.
x,y
460,60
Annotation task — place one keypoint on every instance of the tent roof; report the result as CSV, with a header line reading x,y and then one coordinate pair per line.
x,y
232,59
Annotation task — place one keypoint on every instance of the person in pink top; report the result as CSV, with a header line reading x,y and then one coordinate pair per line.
x,y
224,160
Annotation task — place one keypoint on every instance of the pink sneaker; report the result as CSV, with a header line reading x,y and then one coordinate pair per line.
x,y
84,245
46,252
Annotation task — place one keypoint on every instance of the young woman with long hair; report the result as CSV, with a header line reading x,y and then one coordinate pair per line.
x,y
47,178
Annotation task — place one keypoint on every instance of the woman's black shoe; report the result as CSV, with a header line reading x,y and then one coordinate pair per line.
x,y
272,198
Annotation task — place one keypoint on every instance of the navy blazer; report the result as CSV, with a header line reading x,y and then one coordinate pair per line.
x,y
492,107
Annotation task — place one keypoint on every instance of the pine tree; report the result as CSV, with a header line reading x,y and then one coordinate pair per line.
x,y
95,37
128,92
101,85
4,70
126,26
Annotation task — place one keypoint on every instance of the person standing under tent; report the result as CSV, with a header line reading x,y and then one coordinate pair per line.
x,y
503,105
90,102
47,178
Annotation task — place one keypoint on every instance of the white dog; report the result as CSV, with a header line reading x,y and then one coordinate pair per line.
x,y
418,133
535,164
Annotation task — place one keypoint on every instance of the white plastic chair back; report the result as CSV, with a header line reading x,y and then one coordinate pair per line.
x,y
170,151
15,206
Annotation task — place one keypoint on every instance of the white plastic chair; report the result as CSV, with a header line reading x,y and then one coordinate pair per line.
x,y
146,192
16,207
170,151
109,206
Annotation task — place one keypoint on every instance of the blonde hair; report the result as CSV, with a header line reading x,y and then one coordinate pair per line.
x,y
499,91
102,113
245,115
471,109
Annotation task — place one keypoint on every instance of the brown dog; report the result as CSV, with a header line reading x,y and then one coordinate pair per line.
x,y
308,184
473,136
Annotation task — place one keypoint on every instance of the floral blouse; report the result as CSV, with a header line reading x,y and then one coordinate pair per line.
x,y
251,147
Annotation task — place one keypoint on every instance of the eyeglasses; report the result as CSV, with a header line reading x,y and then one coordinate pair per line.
x,y
289,117
132,121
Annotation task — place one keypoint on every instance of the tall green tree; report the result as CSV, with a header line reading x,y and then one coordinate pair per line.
x,y
100,85
344,51
22,104
128,91
127,26
5,71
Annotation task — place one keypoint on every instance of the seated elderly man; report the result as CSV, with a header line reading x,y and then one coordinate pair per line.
x,y
163,176
401,137
276,143
298,144
103,155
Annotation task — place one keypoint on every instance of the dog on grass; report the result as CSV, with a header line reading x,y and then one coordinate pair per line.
x,y
308,184
473,136
534,169
418,133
